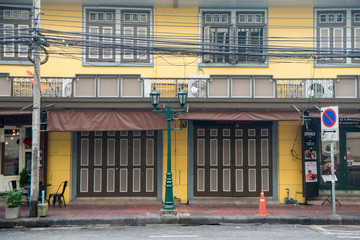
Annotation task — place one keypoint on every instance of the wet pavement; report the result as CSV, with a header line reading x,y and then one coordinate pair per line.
x,y
186,214
193,210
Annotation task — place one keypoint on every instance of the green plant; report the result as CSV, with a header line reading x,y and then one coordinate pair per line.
x,y
24,178
12,198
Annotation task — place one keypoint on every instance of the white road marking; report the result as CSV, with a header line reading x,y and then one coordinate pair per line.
x,y
347,237
326,230
174,236
320,229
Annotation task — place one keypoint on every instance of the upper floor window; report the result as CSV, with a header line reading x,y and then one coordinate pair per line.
x,y
235,37
135,31
355,32
101,31
118,35
338,38
15,24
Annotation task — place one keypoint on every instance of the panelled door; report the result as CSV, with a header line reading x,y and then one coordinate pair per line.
x,y
232,161
116,164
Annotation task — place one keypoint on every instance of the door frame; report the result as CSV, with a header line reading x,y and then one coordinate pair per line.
x,y
343,160
247,125
343,163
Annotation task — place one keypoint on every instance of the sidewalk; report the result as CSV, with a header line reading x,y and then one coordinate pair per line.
x,y
187,214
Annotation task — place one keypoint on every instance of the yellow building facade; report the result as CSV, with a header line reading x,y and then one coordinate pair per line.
x,y
273,159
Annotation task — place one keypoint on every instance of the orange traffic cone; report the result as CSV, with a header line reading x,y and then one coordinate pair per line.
x,y
262,205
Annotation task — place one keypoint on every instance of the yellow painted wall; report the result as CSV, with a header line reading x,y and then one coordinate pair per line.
x,y
59,161
290,168
175,65
290,172
178,66
178,161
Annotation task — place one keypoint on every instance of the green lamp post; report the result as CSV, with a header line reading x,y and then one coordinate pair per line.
x,y
168,113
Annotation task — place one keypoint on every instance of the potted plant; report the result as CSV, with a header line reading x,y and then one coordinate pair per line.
x,y
24,179
12,202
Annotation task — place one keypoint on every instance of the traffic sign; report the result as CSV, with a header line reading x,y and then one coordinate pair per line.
x,y
330,123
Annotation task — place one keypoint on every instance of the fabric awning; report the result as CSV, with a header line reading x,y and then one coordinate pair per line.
x,y
242,116
104,120
14,112
347,115
256,115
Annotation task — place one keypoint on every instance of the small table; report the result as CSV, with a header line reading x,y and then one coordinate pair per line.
x,y
327,178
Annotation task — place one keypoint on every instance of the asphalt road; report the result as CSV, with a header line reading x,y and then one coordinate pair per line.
x,y
174,232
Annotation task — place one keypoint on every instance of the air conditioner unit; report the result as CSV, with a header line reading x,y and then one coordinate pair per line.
x,y
197,88
319,89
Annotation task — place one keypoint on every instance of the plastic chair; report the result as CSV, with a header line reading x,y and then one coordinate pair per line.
x,y
13,185
59,195
25,192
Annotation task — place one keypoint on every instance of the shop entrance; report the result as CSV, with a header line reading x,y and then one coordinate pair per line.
x,y
351,159
232,159
117,164
347,160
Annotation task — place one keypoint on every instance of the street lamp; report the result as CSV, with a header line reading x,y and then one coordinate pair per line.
x,y
168,113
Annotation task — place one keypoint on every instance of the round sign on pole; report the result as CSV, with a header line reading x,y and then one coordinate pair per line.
x,y
330,124
329,118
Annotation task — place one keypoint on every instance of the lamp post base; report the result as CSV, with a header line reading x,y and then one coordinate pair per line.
x,y
168,212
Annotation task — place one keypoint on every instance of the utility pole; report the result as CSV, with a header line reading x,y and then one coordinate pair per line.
x,y
34,185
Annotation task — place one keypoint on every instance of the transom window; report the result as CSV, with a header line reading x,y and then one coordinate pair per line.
x,y
357,17
234,37
332,18
101,16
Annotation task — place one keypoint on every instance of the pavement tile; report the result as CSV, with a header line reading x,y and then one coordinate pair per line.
x,y
192,210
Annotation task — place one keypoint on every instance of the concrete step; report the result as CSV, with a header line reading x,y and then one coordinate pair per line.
x,y
114,201
344,200
232,201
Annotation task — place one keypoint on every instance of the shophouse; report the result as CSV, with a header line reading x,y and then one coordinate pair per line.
x,y
252,70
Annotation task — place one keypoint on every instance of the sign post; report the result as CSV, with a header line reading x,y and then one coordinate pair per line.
x,y
330,133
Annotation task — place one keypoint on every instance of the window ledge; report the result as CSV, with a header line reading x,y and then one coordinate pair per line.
x,y
337,65
27,63
94,64
232,65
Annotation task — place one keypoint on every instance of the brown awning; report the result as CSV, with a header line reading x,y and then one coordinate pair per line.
x,y
14,112
256,115
354,114
242,115
102,120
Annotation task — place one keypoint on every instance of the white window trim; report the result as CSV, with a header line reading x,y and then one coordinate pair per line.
x,y
347,79
335,41
22,48
250,84
357,39
98,79
141,43
7,47
91,38
94,83
127,41
121,87
106,40
118,55
227,90
347,26
233,15
273,85
324,44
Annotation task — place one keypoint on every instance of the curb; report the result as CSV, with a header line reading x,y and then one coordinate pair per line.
x,y
184,220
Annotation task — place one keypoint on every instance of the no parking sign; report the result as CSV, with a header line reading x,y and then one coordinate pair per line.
x,y
330,123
